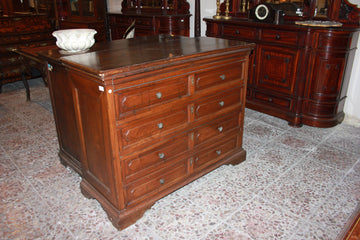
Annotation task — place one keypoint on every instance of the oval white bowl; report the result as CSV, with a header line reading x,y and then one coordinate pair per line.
x,y
75,40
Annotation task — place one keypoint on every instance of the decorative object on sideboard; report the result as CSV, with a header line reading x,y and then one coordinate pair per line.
x,y
75,40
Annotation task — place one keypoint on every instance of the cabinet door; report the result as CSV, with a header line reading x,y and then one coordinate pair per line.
x,y
327,78
276,68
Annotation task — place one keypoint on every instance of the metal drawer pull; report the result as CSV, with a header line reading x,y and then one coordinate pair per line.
x,y
162,181
222,77
160,125
161,155
218,152
270,99
159,95
220,129
277,37
221,103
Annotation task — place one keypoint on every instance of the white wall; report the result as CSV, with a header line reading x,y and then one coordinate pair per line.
x,y
352,104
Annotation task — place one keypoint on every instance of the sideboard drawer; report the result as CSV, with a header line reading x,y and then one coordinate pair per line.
x,y
156,182
153,127
273,101
243,33
154,158
282,37
218,102
142,96
212,77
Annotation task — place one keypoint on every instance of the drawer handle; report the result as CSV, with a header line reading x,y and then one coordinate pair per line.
x,y
237,31
220,129
218,152
159,95
270,99
277,37
222,77
221,103
162,181
161,155
160,125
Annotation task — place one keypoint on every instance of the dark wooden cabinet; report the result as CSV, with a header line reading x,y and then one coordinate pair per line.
x,y
19,31
297,72
139,118
83,14
151,18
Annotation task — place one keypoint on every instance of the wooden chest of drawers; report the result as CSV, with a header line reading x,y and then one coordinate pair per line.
x,y
139,118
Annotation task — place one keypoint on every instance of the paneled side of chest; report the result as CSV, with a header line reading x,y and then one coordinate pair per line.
x,y
175,125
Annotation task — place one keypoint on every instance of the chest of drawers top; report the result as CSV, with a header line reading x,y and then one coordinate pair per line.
x,y
120,58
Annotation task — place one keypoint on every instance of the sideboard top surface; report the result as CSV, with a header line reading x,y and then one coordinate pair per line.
x,y
141,52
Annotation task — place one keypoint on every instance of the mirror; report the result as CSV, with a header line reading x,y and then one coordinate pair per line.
x,y
321,8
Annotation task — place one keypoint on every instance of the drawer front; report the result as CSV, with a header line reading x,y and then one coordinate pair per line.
x,y
143,96
153,127
216,129
219,75
155,158
281,37
244,33
218,102
156,182
214,153
273,101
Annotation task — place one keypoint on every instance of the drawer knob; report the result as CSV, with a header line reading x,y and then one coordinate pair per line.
x,y
221,103
277,37
159,95
218,152
237,31
161,155
162,181
220,129
160,125
270,99
222,77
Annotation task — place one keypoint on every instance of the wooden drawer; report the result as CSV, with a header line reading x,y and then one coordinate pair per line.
x,y
143,96
153,127
243,33
273,101
281,37
154,158
145,187
217,102
211,155
222,74
216,129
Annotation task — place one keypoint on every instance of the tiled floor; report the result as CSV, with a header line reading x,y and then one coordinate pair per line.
x,y
297,183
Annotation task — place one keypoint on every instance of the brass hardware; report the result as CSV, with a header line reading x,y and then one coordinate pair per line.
x,y
162,181
160,125
222,77
220,129
227,4
161,155
218,152
221,103
159,95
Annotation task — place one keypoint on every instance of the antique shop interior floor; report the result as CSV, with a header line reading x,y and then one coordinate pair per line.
x,y
297,183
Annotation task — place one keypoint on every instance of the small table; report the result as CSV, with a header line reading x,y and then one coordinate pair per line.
x,y
31,59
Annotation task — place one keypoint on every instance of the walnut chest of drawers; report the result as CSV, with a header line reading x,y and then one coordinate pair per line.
x,y
140,118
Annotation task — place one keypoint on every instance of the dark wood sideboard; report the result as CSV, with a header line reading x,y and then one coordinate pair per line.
x,y
139,118
19,31
151,18
297,72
